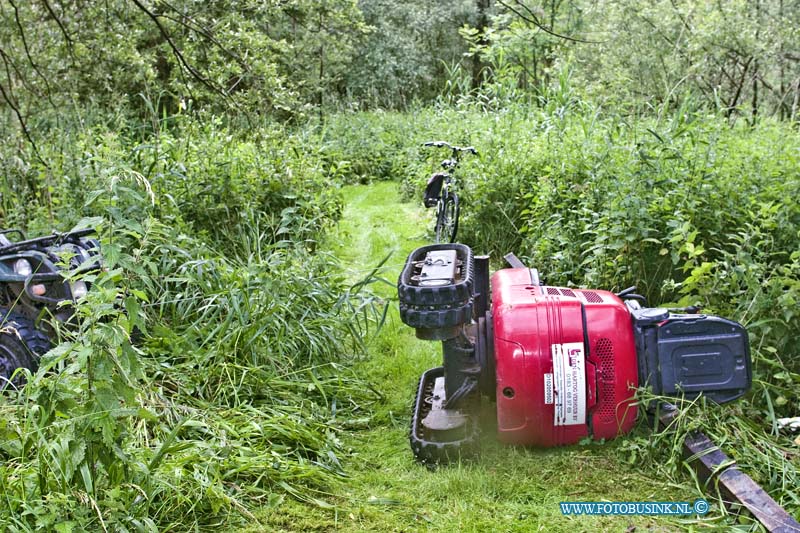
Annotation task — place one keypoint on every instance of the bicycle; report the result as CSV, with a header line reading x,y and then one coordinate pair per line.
x,y
440,192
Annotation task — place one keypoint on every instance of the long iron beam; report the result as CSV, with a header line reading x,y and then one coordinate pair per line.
x,y
715,469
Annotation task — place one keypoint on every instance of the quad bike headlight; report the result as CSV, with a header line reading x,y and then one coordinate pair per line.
x,y
23,267
78,289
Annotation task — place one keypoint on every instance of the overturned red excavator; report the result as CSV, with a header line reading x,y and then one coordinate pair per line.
x,y
562,364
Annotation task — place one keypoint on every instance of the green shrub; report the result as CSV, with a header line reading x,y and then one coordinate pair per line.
x,y
209,372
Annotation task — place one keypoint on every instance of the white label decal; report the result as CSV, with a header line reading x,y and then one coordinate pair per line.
x,y
548,388
569,384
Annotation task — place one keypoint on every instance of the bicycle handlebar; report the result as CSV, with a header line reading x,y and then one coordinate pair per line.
x,y
455,149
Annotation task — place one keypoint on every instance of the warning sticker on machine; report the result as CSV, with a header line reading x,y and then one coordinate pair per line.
x,y
569,383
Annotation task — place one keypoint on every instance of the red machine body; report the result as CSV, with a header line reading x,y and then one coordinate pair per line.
x,y
566,364
562,364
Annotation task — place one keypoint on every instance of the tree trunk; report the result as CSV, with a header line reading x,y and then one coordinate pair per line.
x,y
754,103
478,66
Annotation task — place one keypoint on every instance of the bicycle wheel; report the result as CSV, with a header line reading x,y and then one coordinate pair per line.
x,y
447,218
439,227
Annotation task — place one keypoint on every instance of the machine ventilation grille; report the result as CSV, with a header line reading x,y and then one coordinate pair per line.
x,y
604,350
592,297
555,291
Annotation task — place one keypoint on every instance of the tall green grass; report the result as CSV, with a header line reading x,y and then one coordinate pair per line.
x,y
209,373
236,391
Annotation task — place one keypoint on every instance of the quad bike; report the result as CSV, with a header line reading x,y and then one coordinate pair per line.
x,y
33,286
562,364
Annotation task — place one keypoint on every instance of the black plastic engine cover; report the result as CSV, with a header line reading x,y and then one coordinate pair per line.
x,y
691,354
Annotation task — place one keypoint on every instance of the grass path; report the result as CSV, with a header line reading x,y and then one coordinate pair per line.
x,y
507,488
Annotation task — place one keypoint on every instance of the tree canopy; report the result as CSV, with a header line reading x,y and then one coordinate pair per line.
x,y
289,57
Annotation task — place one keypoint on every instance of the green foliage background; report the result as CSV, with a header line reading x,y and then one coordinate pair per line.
x,y
621,143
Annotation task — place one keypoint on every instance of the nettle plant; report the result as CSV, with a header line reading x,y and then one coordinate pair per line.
x,y
195,383
64,434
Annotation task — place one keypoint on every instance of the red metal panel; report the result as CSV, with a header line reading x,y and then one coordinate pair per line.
x,y
540,403
527,323
611,340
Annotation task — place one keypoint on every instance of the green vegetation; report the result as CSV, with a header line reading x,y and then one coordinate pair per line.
x,y
242,333
507,488
254,170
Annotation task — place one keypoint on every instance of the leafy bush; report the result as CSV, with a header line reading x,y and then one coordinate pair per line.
x,y
204,178
209,373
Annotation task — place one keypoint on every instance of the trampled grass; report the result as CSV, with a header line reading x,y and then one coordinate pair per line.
x,y
506,488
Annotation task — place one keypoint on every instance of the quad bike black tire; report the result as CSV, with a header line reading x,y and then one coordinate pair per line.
x,y
21,346
447,219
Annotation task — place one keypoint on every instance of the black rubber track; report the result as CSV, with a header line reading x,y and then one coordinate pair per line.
x,y
455,294
436,318
427,450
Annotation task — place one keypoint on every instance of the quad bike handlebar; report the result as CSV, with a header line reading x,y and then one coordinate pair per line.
x,y
33,271
45,241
